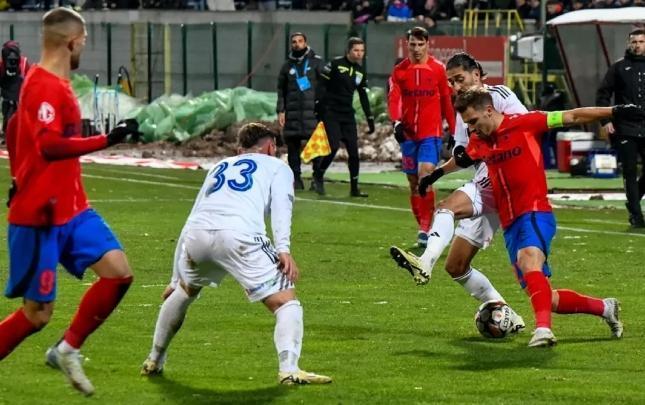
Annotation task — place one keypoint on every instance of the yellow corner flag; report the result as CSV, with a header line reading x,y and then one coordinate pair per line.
x,y
318,144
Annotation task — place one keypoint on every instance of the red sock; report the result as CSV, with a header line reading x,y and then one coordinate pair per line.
x,y
427,211
96,305
571,302
14,329
540,293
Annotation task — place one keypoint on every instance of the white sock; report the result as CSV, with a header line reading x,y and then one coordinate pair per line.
x,y
66,348
288,335
171,316
479,286
439,236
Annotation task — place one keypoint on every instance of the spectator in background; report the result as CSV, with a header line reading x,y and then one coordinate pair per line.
x,y
553,9
431,26
297,83
398,11
625,80
13,69
579,5
534,10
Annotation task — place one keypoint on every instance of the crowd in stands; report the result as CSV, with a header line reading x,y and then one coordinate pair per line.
x,y
363,11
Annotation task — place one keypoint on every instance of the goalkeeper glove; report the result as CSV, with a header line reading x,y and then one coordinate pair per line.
x,y
370,125
124,128
429,180
399,132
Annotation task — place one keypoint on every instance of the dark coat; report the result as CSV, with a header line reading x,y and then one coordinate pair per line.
x,y
625,79
297,105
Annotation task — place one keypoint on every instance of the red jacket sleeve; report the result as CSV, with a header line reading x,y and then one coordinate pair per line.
x,y
473,149
54,146
447,111
394,103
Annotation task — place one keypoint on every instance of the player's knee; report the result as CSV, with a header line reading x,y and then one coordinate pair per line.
x,y
39,316
288,304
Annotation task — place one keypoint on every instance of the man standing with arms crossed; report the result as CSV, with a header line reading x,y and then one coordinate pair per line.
x,y
297,83
50,221
418,101
510,147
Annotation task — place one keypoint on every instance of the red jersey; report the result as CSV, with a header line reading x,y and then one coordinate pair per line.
x,y
44,143
420,98
515,165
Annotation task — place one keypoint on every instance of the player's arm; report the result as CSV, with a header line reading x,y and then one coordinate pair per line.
x,y
587,115
321,90
445,93
282,198
394,102
460,160
282,88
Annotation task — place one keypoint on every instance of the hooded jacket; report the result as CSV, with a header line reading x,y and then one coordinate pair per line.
x,y
13,69
625,79
299,105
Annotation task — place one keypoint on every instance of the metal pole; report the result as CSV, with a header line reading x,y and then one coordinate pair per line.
x,y
11,33
287,39
544,36
184,57
149,62
214,43
364,37
109,54
249,53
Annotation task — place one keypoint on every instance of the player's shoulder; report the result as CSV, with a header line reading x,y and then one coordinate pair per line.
x,y
435,63
499,91
402,65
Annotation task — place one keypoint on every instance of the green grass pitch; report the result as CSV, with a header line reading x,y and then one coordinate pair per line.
x,y
383,339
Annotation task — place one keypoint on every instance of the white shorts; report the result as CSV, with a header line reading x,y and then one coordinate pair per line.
x,y
204,257
480,229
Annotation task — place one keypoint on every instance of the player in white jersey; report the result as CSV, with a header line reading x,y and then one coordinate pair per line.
x,y
225,233
472,204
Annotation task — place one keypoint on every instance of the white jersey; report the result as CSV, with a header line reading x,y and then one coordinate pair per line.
x,y
239,191
504,101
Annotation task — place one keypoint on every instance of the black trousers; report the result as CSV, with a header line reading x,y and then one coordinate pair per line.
x,y
340,131
8,109
294,146
629,148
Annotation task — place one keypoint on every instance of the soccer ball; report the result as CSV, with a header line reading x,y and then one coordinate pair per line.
x,y
494,320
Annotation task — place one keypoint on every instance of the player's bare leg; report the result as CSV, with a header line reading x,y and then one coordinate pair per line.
x,y
98,302
171,317
287,337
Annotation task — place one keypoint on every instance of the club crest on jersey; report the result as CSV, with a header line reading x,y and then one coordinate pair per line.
x,y
46,113
358,78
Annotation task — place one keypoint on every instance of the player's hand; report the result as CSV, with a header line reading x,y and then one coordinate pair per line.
x,y
281,119
124,128
370,125
429,180
288,267
399,132
609,128
628,112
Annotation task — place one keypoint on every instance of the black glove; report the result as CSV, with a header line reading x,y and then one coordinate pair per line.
x,y
399,132
628,112
370,125
124,128
429,180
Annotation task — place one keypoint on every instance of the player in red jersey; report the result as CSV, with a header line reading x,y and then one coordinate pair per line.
x,y
510,147
418,100
50,221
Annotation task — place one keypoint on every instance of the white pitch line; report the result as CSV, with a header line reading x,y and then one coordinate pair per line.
x,y
344,203
159,176
604,221
155,183
140,200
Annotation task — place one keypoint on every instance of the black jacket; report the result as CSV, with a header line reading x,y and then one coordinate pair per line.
x,y
298,105
626,80
340,78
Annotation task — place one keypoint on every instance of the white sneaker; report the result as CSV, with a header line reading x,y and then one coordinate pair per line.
x,y
542,337
70,365
612,311
302,377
